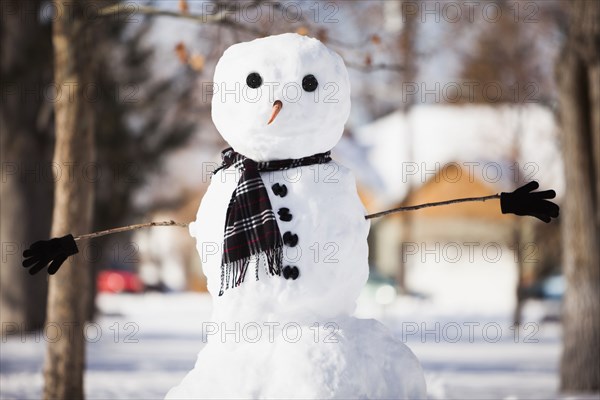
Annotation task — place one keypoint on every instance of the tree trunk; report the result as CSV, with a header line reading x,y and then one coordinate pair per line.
x,y
407,43
578,72
74,151
25,149
517,242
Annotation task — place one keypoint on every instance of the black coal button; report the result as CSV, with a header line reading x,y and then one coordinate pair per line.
x,y
284,214
290,239
294,273
279,190
291,272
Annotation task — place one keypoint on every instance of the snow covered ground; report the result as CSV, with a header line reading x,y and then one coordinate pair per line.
x,y
141,345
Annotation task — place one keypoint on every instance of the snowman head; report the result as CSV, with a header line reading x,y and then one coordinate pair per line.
x,y
280,97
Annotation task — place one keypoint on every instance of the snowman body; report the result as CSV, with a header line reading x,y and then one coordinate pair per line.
x,y
277,336
318,207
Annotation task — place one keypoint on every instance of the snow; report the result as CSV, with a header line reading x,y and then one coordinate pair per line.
x,y
170,334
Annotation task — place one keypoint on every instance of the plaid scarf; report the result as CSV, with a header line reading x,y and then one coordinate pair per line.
x,y
250,224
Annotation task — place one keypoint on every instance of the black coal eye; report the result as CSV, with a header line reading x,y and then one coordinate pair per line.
x,y
254,80
309,83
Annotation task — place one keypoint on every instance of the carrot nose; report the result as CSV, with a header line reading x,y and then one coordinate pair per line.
x,y
277,106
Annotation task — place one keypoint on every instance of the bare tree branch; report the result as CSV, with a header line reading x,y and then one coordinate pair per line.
x,y
116,9
220,17
376,67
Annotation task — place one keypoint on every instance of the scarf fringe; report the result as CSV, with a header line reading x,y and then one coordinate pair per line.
x,y
234,273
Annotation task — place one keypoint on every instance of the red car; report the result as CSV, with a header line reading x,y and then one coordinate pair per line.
x,y
116,281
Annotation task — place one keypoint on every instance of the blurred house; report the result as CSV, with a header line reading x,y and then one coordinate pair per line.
x,y
452,254
459,223
463,255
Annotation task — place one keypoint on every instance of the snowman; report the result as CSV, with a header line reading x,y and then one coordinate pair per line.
x,y
283,239
282,236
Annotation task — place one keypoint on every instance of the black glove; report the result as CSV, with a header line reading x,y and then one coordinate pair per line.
x,y
525,202
54,251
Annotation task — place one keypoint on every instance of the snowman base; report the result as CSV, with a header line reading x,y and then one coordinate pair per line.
x,y
343,357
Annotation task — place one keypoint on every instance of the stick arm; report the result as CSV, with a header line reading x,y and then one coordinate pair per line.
x,y
435,204
130,228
